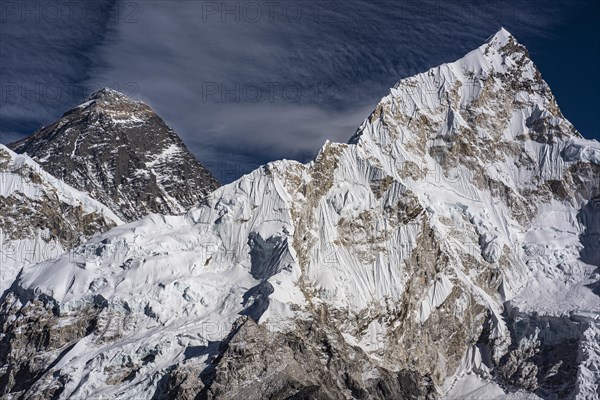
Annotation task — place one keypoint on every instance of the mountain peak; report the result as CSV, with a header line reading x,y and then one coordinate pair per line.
x,y
502,37
504,44
109,95
151,172
497,82
117,104
113,105
501,53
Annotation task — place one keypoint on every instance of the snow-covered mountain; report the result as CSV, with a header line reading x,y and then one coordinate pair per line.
x,y
124,155
40,216
449,250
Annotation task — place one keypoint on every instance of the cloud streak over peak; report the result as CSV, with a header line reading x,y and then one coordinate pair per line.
x,y
244,83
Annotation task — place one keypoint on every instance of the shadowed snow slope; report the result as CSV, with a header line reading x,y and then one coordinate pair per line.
x,y
437,254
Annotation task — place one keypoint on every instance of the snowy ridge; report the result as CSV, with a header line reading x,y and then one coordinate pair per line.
x,y
23,183
458,223
12,182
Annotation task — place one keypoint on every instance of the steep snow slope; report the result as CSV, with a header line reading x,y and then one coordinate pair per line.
x,y
40,216
450,249
124,155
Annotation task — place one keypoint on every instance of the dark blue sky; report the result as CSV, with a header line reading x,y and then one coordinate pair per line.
x,y
570,62
248,82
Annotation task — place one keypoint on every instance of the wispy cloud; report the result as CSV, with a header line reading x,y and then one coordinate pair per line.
x,y
247,82
46,51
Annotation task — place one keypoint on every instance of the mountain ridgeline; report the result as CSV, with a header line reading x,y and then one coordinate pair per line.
x,y
449,250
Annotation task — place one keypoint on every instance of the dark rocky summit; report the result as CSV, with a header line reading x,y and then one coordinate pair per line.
x,y
123,154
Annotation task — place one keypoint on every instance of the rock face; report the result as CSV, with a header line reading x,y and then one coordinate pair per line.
x,y
446,251
40,216
311,361
123,154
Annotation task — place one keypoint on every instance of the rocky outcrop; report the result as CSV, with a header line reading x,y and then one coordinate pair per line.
x,y
311,361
